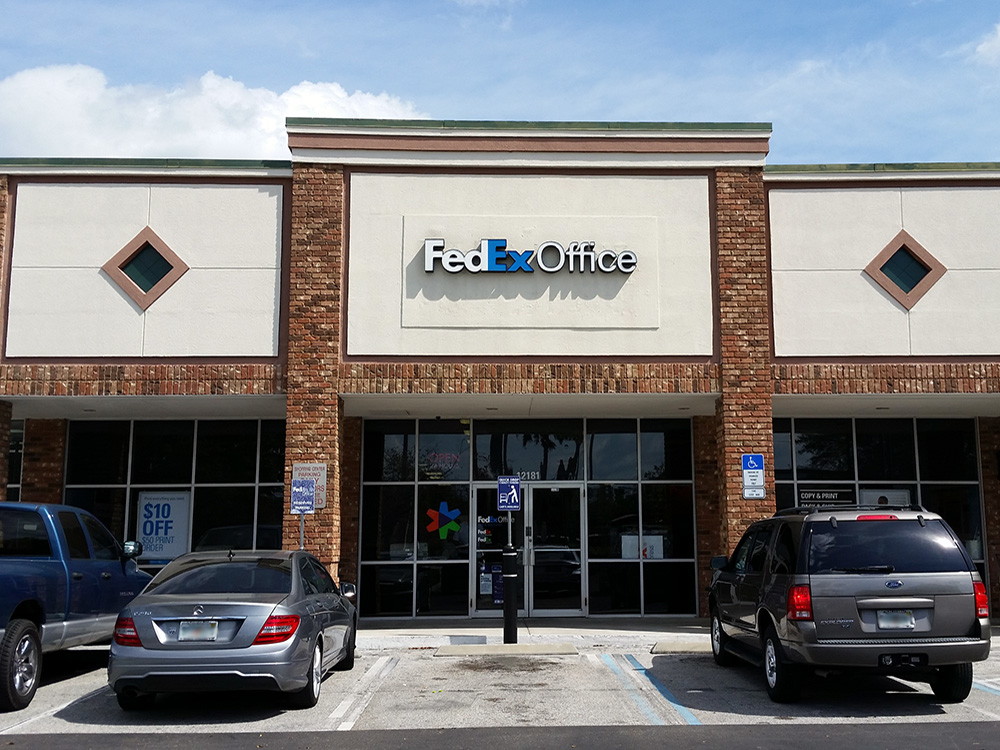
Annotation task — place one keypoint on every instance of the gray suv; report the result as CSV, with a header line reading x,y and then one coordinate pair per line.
x,y
885,589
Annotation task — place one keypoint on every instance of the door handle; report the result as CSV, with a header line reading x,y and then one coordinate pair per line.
x,y
106,575
77,576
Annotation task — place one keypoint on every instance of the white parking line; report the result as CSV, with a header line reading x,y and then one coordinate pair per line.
x,y
362,695
10,729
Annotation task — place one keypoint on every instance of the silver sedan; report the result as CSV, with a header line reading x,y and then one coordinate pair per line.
x,y
236,620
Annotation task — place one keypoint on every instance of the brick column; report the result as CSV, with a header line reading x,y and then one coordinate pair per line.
x,y
43,460
313,418
743,412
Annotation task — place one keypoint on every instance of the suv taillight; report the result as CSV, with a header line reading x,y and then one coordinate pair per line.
x,y
800,603
982,600
278,628
125,633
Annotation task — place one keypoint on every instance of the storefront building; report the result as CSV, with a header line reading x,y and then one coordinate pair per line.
x,y
616,314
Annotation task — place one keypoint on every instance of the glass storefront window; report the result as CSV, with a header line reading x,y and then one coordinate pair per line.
x,y
669,588
388,590
389,450
223,518
824,449
98,453
885,449
107,503
161,452
443,522
442,590
948,451
387,526
272,451
611,449
531,449
666,449
612,514
444,451
667,522
782,448
958,504
614,588
227,451
270,513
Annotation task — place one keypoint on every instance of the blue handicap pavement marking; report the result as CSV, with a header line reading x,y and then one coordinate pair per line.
x,y
685,714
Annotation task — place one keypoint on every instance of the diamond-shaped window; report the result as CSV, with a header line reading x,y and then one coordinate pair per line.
x,y
905,269
145,268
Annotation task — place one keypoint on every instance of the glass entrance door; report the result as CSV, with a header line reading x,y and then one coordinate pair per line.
x,y
550,568
555,551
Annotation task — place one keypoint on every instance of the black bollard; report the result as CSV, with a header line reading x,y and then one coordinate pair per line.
x,y
509,594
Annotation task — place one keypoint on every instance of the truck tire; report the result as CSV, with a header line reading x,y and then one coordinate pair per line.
x,y
719,641
953,683
781,679
20,664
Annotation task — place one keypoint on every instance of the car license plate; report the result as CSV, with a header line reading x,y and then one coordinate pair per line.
x,y
895,619
198,630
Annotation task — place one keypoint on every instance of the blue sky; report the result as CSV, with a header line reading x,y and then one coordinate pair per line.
x,y
867,81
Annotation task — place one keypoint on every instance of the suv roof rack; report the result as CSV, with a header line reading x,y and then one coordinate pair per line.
x,y
805,510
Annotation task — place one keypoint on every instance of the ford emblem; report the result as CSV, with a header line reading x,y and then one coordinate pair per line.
x,y
893,584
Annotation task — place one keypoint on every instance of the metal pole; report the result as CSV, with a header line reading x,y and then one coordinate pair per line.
x,y
302,531
509,586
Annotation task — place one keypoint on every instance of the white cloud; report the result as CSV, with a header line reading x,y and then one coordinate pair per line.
x,y
71,110
988,50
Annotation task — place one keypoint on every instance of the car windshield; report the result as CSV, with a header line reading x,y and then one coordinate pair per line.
x,y
224,577
880,547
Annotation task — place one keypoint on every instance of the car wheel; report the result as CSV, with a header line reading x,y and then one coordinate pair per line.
x,y
953,683
308,696
719,641
20,664
347,663
781,678
131,700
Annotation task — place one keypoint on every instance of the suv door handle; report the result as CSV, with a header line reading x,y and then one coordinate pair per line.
x,y
106,575
77,576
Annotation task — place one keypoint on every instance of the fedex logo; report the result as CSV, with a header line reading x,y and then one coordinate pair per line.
x,y
493,256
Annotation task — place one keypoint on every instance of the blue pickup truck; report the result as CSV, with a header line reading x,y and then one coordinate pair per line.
x,y
63,580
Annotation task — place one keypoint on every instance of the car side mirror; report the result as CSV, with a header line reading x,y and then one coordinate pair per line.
x,y
132,550
719,562
348,590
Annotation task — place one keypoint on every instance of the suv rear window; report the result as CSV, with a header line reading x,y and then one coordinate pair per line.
x,y
883,547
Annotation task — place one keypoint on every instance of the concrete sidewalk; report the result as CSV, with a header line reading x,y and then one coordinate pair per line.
x,y
537,636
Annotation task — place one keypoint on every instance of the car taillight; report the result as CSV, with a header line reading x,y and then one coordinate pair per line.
x,y
982,600
278,628
800,603
125,632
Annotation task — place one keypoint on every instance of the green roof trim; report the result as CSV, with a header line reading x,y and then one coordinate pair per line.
x,y
22,162
319,122
869,169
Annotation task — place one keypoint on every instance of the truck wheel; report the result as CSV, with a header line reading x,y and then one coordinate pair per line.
x,y
781,679
719,640
953,683
20,664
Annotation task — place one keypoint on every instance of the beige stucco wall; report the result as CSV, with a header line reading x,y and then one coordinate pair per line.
x,y
63,305
825,305
662,308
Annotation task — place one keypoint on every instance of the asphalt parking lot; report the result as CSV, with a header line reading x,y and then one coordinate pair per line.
x,y
461,675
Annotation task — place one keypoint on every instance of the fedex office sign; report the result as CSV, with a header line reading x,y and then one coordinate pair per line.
x,y
493,256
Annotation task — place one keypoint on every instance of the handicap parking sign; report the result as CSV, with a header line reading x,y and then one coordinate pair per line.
x,y
508,493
